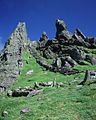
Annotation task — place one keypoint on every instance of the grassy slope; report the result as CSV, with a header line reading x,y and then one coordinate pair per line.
x,y
68,103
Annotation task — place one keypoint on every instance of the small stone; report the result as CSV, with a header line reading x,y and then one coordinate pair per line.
x,y
29,72
9,93
4,113
25,110
50,83
79,87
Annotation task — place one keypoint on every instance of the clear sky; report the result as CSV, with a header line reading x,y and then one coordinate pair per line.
x,y
40,15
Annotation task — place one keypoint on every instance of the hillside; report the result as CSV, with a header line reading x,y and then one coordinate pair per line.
x,y
57,68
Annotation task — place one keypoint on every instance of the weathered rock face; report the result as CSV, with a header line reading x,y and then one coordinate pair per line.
x,y
10,57
90,59
67,49
62,33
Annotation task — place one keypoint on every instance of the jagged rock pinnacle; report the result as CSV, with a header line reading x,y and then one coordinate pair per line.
x,y
21,28
10,59
18,36
62,31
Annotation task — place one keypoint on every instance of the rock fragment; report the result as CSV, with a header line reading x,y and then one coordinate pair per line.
x,y
25,110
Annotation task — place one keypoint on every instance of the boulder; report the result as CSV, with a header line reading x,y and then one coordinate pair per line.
x,y
47,53
90,59
62,33
19,93
43,40
75,54
69,60
67,64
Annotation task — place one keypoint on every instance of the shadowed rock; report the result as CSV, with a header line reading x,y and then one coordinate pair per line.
x,y
23,91
62,33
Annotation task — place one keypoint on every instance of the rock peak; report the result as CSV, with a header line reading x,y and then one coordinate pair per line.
x,y
19,36
21,26
11,57
20,31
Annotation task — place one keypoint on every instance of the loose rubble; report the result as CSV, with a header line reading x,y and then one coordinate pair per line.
x,y
23,91
35,90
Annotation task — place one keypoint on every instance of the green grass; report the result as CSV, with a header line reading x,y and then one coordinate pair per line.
x,y
69,103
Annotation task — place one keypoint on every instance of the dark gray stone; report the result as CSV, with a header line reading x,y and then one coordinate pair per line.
x,y
90,59
23,91
43,40
62,33
75,54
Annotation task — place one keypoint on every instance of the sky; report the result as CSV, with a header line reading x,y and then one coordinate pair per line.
x,y
40,15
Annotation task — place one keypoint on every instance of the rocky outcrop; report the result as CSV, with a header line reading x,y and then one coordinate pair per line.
x,y
66,49
10,57
62,33
56,66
